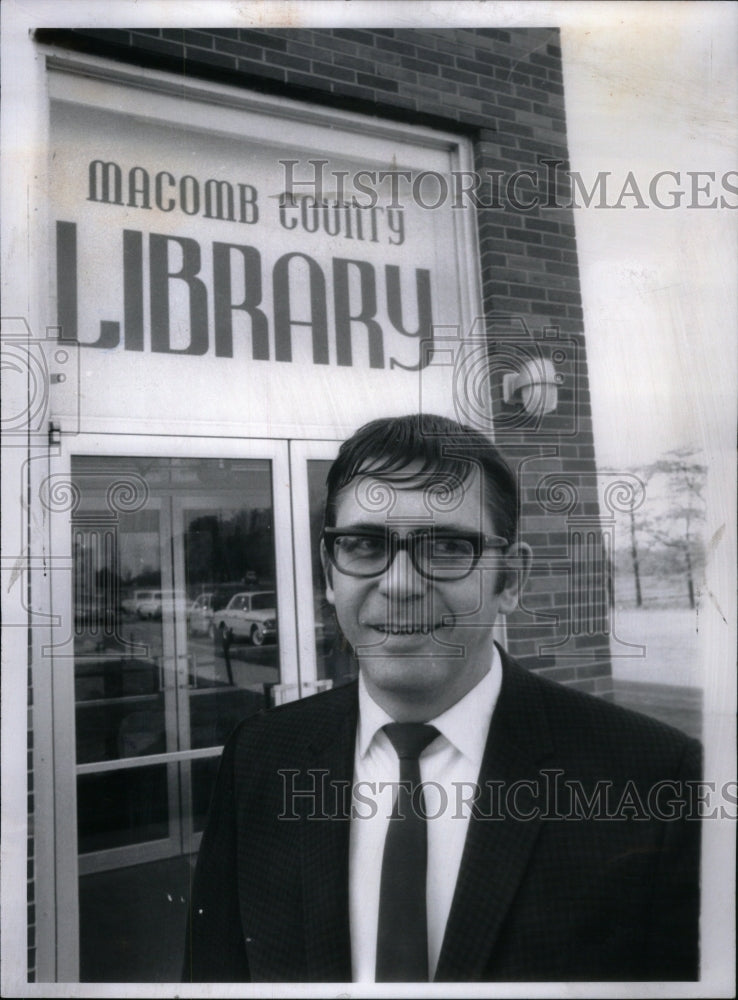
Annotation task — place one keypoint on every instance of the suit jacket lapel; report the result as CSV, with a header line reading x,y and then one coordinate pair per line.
x,y
497,849
325,848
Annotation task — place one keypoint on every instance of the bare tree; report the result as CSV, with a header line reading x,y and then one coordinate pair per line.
x,y
634,559
682,476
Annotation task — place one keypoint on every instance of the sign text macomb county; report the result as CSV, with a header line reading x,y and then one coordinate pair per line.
x,y
198,290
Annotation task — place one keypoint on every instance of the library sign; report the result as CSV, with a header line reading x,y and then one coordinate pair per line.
x,y
222,279
203,268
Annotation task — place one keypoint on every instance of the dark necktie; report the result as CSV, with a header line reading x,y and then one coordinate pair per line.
x,y
402,933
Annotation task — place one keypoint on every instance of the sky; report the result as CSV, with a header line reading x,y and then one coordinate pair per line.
x,y
655,90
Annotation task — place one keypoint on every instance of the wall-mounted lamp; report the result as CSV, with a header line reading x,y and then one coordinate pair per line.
x,y
54,433
536,384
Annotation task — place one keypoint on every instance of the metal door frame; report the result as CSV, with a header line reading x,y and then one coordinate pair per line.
x,y
54,749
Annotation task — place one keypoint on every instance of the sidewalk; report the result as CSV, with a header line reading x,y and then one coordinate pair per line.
x,y
657,667
671,703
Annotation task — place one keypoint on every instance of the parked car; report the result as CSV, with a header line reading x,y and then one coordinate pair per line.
x,y
251,615
130,604
162,602
206,606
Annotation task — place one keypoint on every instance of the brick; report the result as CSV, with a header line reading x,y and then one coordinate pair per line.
x,y
556,240
377,82
210,58
467,103
548,110
542,146
535,71
517,77
534,94
403,75
250,68
334,72
483,63
223,32
114,35
478,92
239,49
289,61
302,49
262,39
452,42
355,62
543,224
495,288
329,43
518,305
308,81
353,90
544,60
396,45
520,103
522,236
495,33
199,38
162,46
422,66
351,35
436,56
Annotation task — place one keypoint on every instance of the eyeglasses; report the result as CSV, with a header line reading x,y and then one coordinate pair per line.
x,y
436,555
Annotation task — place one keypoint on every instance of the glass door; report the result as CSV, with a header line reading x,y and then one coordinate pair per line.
x,y
224,562
325,657
176,639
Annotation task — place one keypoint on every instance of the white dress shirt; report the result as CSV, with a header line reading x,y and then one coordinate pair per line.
x,y
449,769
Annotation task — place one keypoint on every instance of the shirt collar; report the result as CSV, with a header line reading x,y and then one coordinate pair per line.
x,y
465,724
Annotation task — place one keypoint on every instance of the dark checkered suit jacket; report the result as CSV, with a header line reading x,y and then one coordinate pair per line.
x,y
590,882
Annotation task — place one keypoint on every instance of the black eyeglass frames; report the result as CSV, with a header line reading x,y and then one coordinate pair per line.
x,y
435,554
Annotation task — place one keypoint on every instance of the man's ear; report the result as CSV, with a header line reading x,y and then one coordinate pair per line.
x,y
518,560
328,574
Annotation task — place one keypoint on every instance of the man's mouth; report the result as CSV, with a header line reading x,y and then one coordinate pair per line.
x,y
413,628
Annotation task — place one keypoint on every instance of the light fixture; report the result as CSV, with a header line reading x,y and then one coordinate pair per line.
x,y
54,433
536,383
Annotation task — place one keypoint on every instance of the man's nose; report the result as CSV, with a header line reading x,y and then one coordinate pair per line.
x,y
401,578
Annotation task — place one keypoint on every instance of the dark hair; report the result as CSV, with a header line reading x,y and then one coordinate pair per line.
x,y
447,452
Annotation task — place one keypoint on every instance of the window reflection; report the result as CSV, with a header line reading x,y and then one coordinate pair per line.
x,y
161,548
335,658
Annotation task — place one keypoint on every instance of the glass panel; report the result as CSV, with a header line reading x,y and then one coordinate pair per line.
x,y
176,636
133,922
204,773
230,579
120,669
335,660
120,808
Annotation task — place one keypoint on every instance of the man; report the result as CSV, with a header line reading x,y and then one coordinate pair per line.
x,y
533,833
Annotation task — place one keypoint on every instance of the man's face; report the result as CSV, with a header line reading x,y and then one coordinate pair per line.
x,y
421,643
